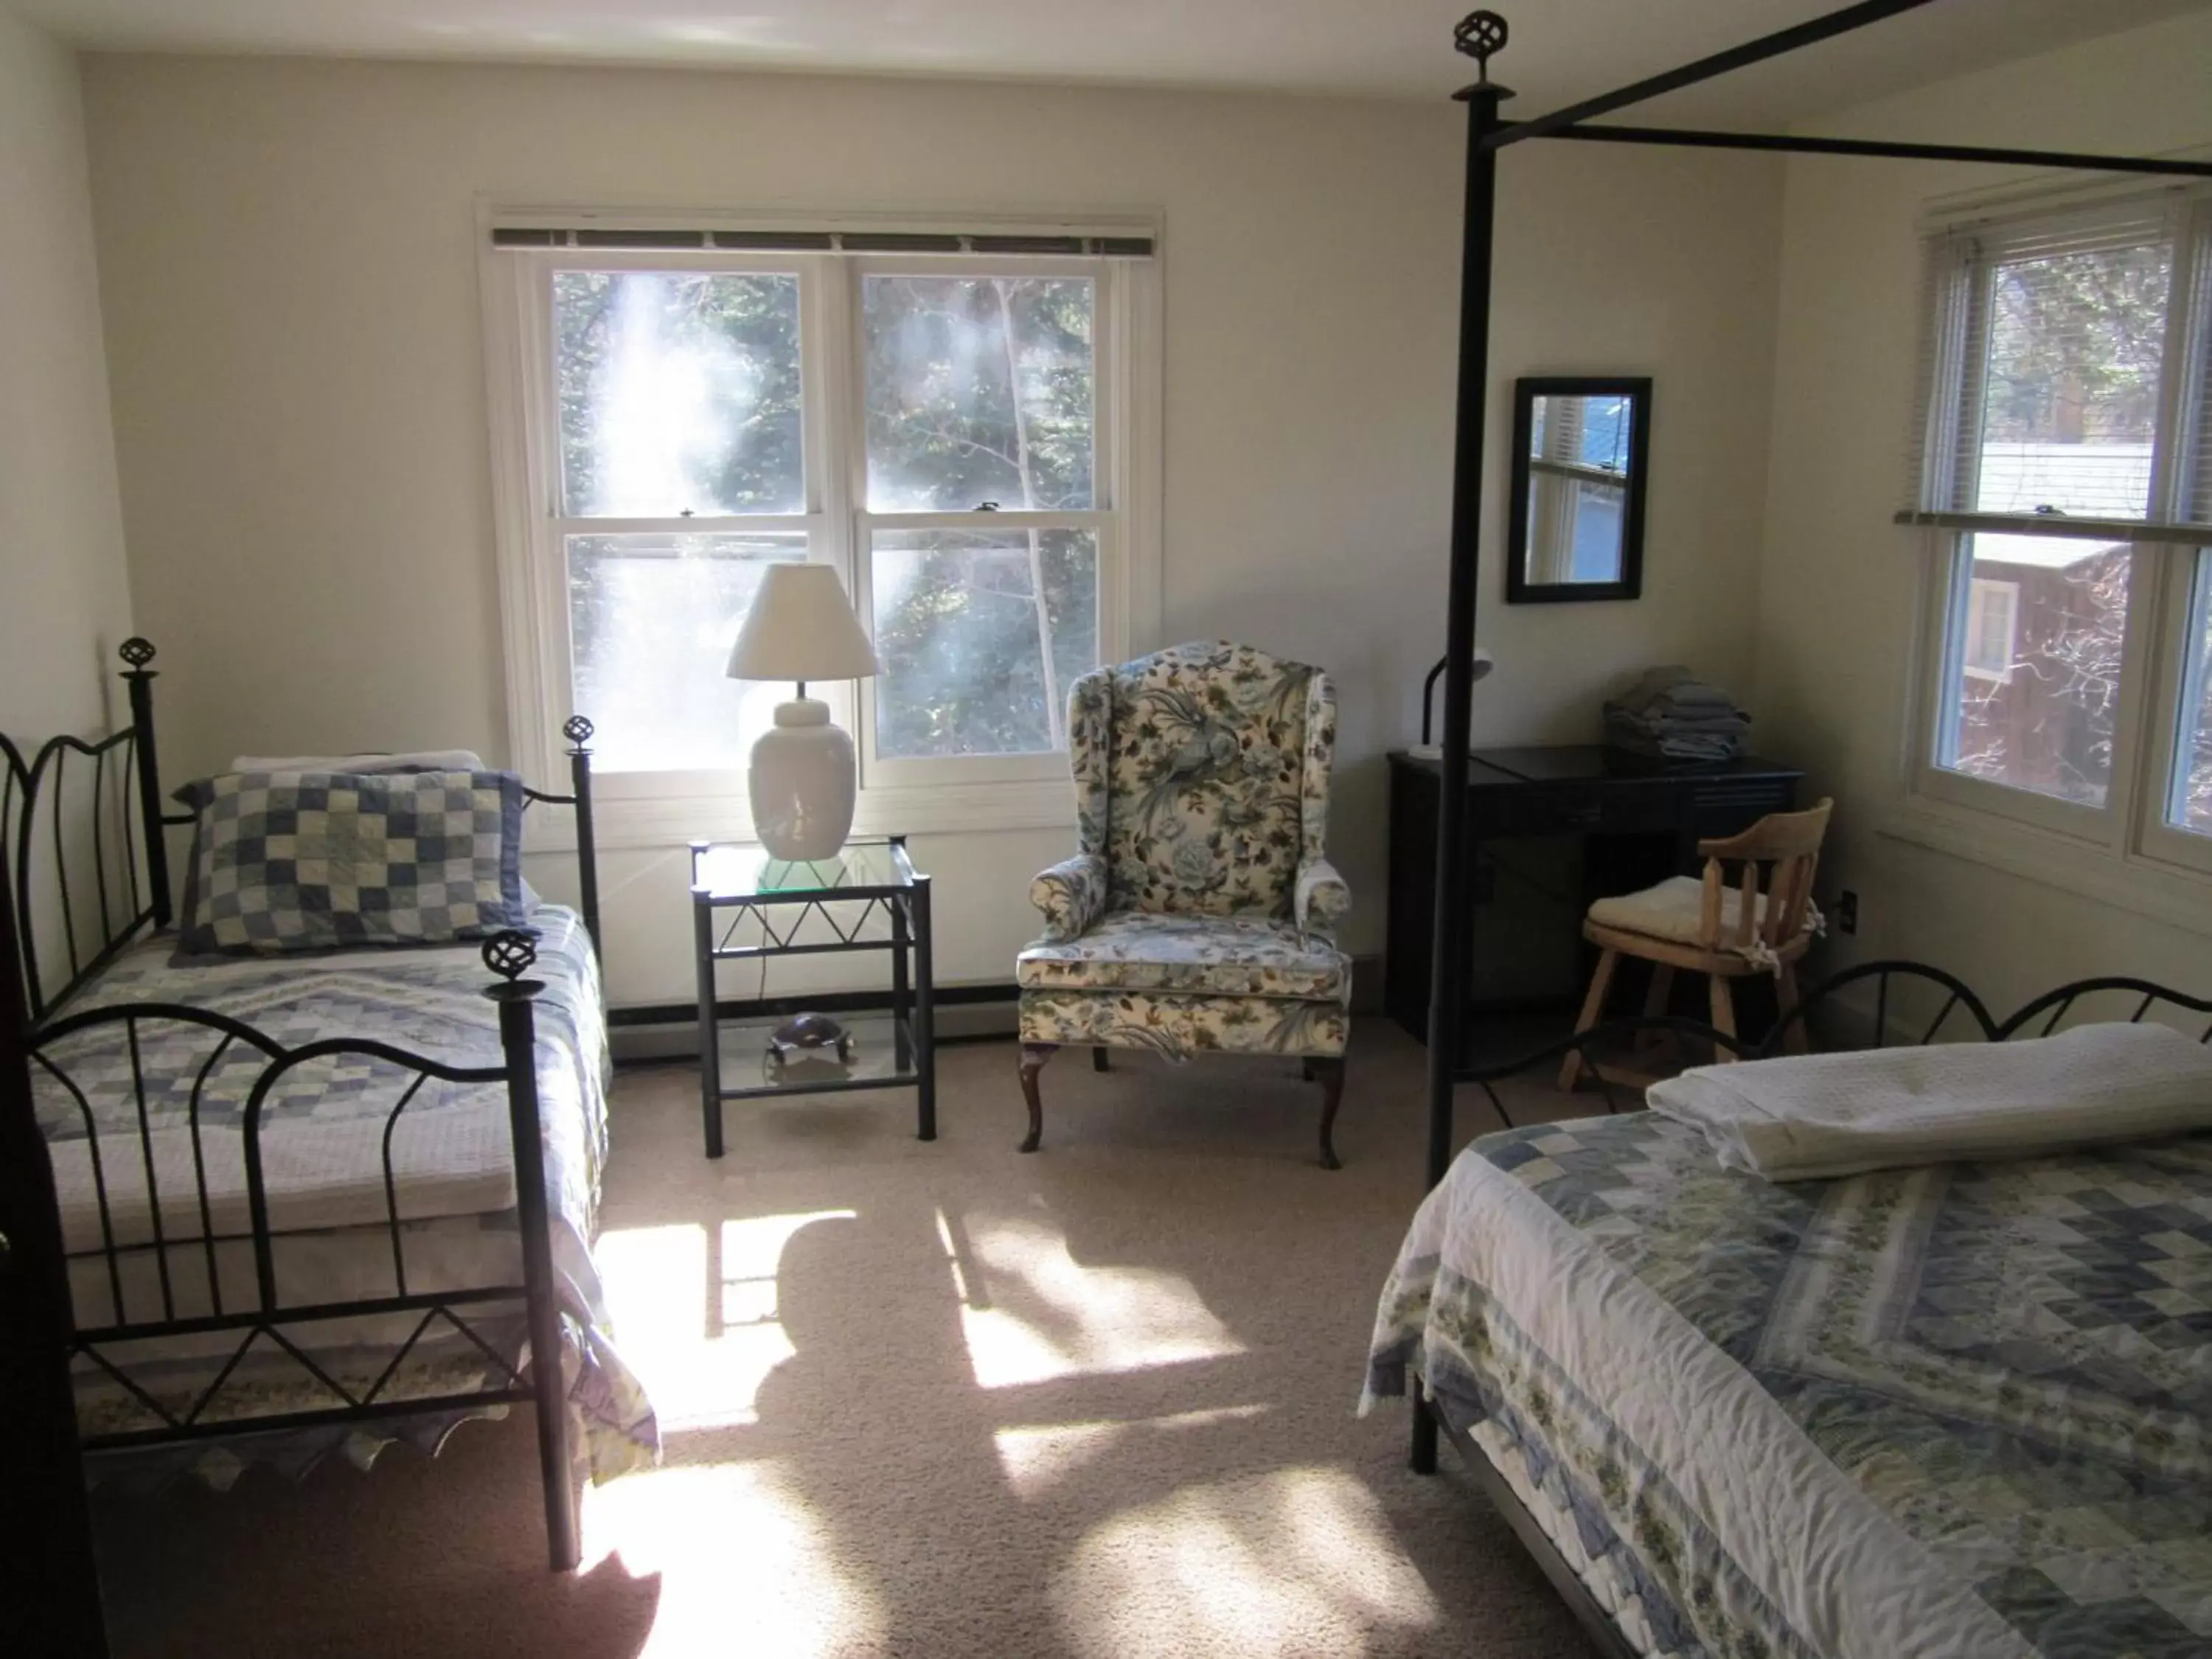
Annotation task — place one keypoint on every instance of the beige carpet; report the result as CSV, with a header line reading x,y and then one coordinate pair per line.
x,y
930,1400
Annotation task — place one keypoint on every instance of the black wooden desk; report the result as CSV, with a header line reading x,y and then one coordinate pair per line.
x,y
1549,830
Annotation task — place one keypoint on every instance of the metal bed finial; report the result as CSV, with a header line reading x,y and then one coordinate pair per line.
x,y
577,729
511,953
137,651
1481,35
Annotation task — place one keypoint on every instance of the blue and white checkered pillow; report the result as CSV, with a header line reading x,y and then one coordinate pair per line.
x,y
307,860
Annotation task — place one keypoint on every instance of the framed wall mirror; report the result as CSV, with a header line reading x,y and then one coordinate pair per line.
x,y
1580,453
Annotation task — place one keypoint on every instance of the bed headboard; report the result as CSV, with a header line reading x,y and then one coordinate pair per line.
x,y
81,847
83,859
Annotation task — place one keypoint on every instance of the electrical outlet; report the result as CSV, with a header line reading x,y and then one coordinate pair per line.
x,y
1847,912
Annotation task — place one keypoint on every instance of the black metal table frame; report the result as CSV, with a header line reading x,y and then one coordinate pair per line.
x,y
913,1023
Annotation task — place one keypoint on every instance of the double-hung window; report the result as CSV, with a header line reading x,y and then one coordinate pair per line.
x,y
963,422
2063,464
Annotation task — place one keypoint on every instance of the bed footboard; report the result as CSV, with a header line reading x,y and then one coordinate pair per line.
x,y
185,1270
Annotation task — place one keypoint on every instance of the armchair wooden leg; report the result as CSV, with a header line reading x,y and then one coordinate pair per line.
x,y
1657,998
1330,1070
1033,1057
1723,1017
1571,1069
1797,1040
1098,1058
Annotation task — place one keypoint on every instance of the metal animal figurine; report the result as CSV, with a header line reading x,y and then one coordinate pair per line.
x,y
808,1033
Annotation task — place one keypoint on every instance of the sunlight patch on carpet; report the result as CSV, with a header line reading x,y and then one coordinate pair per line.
x,y
1030,1312
1299,1561
696,1312
744,1564
1037,1458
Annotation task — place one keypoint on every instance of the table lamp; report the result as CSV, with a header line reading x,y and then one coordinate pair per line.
x,y
801,627
1484,663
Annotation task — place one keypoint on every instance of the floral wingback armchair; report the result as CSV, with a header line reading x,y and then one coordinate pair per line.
x,y
1199,914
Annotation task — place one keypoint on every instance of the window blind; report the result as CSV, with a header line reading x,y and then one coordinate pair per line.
x,y
2063,385
996,244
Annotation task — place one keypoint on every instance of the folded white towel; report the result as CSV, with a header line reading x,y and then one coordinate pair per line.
x,y
1820,1115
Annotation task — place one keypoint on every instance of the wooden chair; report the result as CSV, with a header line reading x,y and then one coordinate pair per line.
x,y
1724,931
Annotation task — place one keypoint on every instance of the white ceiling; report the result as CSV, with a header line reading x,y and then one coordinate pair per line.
x,y
1563,49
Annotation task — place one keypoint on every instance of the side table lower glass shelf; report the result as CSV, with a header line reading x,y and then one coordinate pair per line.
x,y
747,907
884,1056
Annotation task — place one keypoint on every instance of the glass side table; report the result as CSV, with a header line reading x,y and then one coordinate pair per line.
x,y
747,906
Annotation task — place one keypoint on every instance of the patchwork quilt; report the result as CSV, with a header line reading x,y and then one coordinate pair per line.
x,y
325,1127
1959,1409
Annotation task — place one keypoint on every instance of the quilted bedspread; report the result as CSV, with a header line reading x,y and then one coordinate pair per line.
x,y
323,1134
1955,1409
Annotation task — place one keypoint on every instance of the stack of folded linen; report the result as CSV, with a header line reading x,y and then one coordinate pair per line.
x,y
1669,712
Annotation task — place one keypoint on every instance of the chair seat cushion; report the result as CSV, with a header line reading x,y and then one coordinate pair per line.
x,y
1674,911
1223,956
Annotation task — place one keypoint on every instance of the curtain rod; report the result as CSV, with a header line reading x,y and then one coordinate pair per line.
x,y
1721,63
1696,139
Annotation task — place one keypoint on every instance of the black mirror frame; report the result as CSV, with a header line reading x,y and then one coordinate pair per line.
x,y
1519,590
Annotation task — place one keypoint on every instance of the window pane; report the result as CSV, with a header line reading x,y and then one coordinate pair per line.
x,y
980,634
979,389
2070,399
651,622
679,393
2033,691
1992,628
2191,807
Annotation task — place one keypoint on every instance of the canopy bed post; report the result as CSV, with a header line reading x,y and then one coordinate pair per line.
x,y
577,731
138,652
510,954
1479,35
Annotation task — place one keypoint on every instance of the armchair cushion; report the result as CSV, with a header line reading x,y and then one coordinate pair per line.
x,y
1180,1024
1072,895
1220,955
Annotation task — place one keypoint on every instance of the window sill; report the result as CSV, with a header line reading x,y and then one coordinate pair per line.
x,y
660,822
2148,887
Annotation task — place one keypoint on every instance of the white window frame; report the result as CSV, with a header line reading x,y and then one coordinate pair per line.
x,y
2123,852
668,808
2179,689
1985,587
1109,487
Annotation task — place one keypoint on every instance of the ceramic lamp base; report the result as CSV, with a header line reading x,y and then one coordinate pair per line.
x,y
802,783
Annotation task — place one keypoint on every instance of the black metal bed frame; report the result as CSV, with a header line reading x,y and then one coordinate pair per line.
x,y
131,898
1481,35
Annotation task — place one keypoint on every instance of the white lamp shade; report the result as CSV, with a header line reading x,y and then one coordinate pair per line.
x,y
801,627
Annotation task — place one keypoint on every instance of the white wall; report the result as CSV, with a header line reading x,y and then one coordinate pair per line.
x,y
290,289
65,599
1839,583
